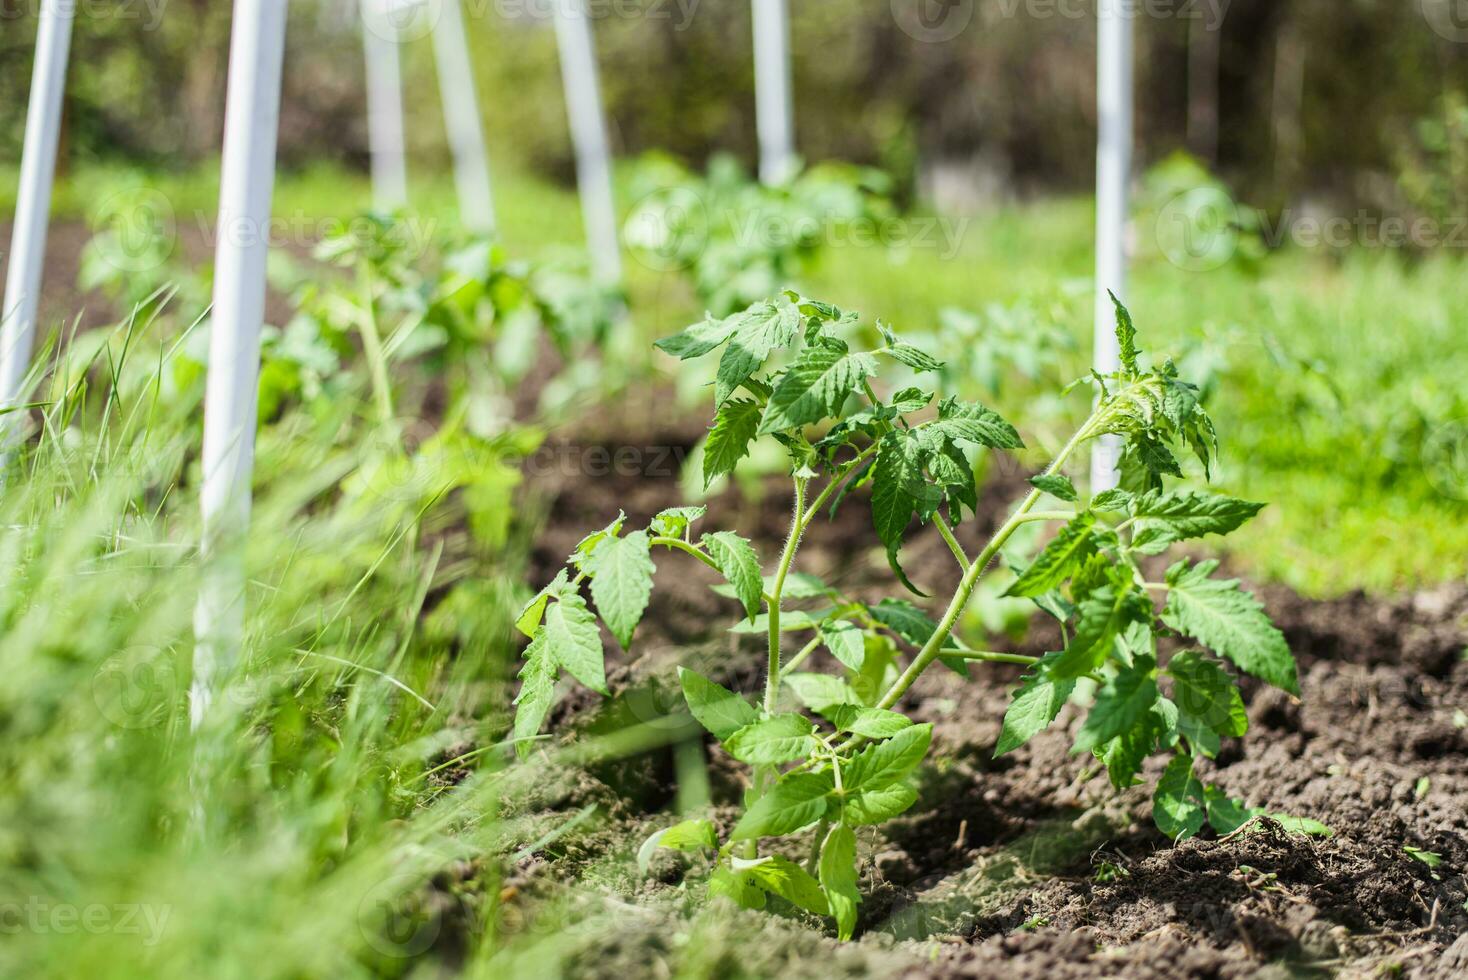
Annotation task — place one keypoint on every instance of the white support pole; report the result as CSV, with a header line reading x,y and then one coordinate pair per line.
x,y
247,181
384,105
774,102
33,204
461,118
589,134
1113,172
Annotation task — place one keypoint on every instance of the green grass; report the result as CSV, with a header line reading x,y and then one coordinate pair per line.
x,y
1337,450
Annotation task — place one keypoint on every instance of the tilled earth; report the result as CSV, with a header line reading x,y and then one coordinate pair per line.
x,y
1027,866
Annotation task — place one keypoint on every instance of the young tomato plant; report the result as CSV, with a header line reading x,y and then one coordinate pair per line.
x,y
846,761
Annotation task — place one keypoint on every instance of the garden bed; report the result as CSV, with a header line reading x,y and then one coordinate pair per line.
x,y
1022,865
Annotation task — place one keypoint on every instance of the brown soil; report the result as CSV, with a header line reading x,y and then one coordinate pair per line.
x,y
1023,866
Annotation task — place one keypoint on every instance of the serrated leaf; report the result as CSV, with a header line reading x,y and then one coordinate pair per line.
x,y
971,422
873,723
690,835
698,339
1125,754
1161,519
734,428
587,546
738,561
1177,807
773,740
1120,705
537,693
781,876
1223,616
1065,555
838,878
621,583
573,639
1036,704
1226,814
815,387
884,763
819,692
1056,485
1100,619
1126,335
671,523
877,806
528,621
904,619
716,708
1301,825
795,801
847,644
1113,499
762,328
913,357
1203,690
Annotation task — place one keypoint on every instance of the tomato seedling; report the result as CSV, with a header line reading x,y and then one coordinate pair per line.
x,y
847,760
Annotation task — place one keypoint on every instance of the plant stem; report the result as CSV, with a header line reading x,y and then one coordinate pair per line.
x,y
836,482
952,542
1048,515
936,642
787,557
372,347
988,657
799,658
814,863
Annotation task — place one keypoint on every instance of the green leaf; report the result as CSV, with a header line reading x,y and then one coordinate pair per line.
x,y
716,708
698,339
531,614
735,426
1176,804
847,643
762,328
773,740
873,723
1225,814
621,583
537,693
738,887
573,639
815,387
880,765
1301,825
1063,557
671,523
1126,335
877,806
1231,621
1160,519
1120,704
971,422
818,692
795,801
781,876
1204,691
1125,754
1100,619
1056,485
690,835
913,357
1036,704
904,619
838,878
738,561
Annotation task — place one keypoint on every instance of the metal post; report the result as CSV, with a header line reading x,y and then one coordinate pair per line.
x,y
247,181
461,118
1113,172
33,205
589,134
774,103
384,105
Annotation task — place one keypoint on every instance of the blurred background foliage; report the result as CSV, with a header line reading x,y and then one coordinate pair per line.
x,y
1340,100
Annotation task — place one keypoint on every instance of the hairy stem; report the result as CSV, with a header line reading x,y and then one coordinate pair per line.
x,y
836,483
799,658
951,541
787,557
989,657
372,347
